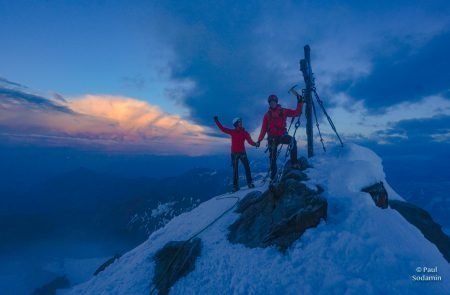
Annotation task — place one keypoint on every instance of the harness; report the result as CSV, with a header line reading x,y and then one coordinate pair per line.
x,y
271,120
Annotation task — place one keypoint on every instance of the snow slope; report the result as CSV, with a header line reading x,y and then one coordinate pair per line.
x,y
360,249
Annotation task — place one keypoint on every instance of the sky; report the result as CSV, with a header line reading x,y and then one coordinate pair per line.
x,y
148,76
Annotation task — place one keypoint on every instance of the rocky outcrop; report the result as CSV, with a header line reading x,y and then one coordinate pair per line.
x,y
106,264
302,164
424,222
378,193
278,216
174,261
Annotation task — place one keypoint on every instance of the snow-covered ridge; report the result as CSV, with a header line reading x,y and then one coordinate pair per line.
x,y
360,249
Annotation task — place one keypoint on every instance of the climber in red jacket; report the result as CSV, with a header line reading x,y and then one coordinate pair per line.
x,y
274,124
238,138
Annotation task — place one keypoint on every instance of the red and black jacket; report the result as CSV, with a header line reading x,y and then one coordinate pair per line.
x,y
238,138
274,122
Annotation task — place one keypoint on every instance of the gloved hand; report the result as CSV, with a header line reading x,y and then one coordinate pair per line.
x,y
300,99
216,118
258,143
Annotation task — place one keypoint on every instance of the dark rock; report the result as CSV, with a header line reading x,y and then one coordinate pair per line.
x,y
320,189
248,200
378,193
174,261
106,264
302,164
279,216
294,174
50,288
424,222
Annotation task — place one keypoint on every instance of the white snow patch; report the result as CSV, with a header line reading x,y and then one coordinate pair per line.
x,y
162,209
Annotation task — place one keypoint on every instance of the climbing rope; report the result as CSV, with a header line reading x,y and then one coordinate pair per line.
x,y
317,125
278,151
220,197
288,149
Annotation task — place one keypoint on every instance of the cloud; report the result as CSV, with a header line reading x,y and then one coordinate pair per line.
x,y
237,59
137,119
234,72
102,122
14,93
408,74
355,121
436,128
211,50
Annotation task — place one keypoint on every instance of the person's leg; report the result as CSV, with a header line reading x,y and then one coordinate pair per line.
x,y
286,139
294,152
273,144
234,159
248,174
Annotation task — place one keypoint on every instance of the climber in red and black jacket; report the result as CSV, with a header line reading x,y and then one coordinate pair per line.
x,y
274,124
238,138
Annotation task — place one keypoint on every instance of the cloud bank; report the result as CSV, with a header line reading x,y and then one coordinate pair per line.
x,y
379,54
106,122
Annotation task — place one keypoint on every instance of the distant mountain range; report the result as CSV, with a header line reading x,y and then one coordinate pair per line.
x,y
84,200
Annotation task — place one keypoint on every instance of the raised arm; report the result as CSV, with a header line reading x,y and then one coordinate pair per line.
x,y
263,128
294,113
223,129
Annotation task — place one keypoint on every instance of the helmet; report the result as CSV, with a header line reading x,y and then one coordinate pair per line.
x,y
236,120
272,97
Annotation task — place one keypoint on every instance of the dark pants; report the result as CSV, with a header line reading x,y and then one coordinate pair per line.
x,y
235,157
274,141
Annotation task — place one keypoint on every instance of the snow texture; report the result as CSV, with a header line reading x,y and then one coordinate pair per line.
x,y
360,249
162,209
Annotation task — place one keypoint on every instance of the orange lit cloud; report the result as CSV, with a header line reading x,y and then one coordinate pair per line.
x,y
134,118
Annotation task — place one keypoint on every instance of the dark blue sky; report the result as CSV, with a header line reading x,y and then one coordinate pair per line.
x,y
379,66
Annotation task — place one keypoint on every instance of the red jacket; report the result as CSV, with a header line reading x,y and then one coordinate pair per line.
x,y
274,122
238,138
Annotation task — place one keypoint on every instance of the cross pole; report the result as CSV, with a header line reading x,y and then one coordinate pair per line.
x,y
305,67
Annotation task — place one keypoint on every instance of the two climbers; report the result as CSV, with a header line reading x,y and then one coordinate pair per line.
x,y
238,137
274,124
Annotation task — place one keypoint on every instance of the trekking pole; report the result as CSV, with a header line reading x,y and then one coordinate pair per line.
x,y
317,125
327,116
